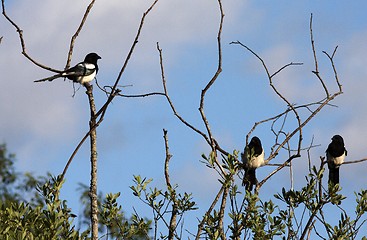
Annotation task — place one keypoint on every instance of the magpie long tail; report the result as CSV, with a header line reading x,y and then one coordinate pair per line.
x,y
334,175
249,180
49,78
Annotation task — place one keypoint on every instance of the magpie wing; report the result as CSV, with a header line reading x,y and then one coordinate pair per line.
x,y
81,69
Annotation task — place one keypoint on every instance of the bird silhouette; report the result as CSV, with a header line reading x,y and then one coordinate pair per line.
x,y
81,73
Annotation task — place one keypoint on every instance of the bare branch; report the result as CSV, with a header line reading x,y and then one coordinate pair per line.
x,y
215,77
292,108
308,155
173,223
207,87
331,58
170,101
168,157
221,212
356,161
76,34
103,109
141,95
74,153
316,71
22,41
285,66
114,92
93,159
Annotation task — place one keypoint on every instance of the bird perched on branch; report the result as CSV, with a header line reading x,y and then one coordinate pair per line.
x,y
81,73
335,154
252,158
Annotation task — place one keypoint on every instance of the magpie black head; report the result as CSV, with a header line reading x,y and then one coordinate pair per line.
x,y
92,58
336,148
255,141
256,144
338,139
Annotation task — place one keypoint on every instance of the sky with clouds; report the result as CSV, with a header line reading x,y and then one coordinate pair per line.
x,y
42,123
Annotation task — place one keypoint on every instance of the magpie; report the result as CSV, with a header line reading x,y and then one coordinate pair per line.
x,y
335,154
81,73
252,158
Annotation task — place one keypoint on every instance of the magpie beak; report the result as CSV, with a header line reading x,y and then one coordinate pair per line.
x,y
252,158
335,154
81,73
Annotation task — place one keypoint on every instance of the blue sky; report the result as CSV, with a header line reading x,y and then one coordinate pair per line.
x,y
42,123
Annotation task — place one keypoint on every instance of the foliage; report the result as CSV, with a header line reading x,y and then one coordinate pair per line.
x,y
50,220
45,216
160,200
300,214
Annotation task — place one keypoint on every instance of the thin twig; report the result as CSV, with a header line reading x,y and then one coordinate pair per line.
x,y
316,71
355,161
170,101
114,92
207,87
76,34
103,109
300,124
292,108
331,58
74,153
22,41
308,155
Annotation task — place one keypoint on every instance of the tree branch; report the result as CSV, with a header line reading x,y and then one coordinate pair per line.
x,y
76,34
173,222
170,101
93,159
202,222
207,87
22,41
114,89
316,71
301,124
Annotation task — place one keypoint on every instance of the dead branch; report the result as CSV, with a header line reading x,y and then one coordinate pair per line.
x,y
114,89
22,41
301,124
170,101
331,58
208,137
93,159
76,34
316,71
114,92
292,108
356,161
173,222
210,83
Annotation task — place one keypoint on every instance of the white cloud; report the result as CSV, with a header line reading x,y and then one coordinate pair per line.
x,y
46,112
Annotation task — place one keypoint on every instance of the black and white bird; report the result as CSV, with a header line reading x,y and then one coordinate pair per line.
x,y
81,73
335,154
252,158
